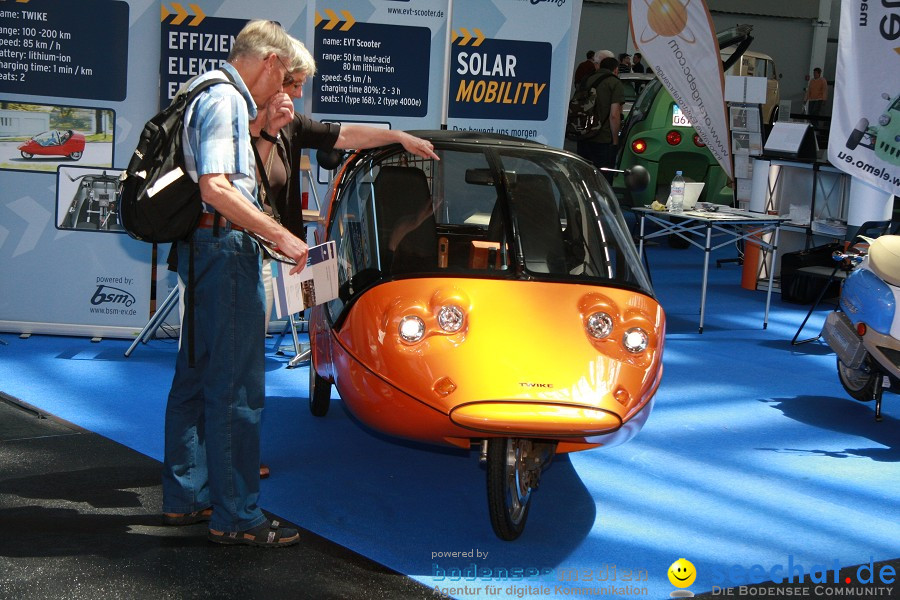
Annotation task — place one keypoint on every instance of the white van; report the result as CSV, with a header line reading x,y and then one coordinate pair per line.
x,y
757,64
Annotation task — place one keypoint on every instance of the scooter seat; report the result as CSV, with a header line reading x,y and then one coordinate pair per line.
x,y
884,258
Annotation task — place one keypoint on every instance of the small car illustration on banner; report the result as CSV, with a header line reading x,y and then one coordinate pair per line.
x,y
54,143
883,138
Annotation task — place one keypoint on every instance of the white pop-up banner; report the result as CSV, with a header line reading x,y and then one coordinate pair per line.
x,y
679,40
864,139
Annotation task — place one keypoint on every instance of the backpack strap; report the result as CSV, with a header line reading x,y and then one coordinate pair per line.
x,y
596,79
190,303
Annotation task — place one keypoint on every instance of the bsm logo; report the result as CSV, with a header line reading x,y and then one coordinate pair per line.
x,y
109,295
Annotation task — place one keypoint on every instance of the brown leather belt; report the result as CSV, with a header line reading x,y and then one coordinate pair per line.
x,y
208,221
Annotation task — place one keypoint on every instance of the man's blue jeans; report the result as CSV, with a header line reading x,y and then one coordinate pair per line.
x,y
212,429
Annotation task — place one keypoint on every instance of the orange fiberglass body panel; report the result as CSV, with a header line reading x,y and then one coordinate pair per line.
x,y
522,364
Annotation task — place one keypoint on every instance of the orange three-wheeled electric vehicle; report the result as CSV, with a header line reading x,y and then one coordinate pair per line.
x,y
493,299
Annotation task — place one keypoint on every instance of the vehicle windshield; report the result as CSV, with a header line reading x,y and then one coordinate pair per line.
x,y
481,211
47,138
633,88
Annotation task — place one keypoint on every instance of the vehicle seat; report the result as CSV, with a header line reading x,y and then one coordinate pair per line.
x,y
537,216
407,229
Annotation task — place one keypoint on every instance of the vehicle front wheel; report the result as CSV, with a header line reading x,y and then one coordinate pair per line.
x,y
27,155
319,393
508,485
859,383
75,155
857,134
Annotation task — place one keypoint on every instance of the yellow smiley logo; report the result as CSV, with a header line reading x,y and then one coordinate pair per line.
x,y
682,573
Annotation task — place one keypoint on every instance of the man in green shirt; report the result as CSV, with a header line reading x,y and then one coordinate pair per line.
x,y
602,149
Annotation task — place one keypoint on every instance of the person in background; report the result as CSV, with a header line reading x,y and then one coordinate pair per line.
x,y
816,93
212,422
602,149
280,135
600,55
637,65
624,63
584,68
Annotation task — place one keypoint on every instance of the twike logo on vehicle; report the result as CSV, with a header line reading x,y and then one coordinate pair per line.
x,y
529,384
108,294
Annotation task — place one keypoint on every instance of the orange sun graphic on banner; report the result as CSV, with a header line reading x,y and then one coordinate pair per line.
x,y
667,18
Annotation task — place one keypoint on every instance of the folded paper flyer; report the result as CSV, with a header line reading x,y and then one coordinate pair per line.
x,y
315,284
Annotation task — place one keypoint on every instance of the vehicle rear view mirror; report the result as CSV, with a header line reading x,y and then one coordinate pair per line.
x,y
637,178
329,160
479,177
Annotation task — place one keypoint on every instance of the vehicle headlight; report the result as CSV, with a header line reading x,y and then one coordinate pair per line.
x,y
884,120
412,329
635,340
451,318
599,325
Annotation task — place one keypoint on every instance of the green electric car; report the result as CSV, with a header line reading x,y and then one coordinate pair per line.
x,y
658,136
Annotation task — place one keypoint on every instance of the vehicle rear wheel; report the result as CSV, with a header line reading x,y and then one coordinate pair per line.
x,y
859,383
27,155
75,155
319,393
508,486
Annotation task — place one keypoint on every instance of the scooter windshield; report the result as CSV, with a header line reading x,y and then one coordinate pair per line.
x,y
531,213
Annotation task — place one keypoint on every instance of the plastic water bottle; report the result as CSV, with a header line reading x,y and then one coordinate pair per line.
x,y
676,194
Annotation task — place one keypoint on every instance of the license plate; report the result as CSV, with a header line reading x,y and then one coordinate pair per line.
x,y
679,119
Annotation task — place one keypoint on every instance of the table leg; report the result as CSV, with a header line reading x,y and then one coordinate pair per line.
x,y
771,275
706,252
641,239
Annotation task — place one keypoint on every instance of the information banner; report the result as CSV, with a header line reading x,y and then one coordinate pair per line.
x,y
511,66
64,48
371,69
864,139
192,43
379,62
500,79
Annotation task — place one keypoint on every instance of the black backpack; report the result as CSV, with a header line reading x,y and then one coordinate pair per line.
x,y
158,201
582,122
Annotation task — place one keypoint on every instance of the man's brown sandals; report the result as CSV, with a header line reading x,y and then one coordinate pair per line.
x,y
187,518
268,535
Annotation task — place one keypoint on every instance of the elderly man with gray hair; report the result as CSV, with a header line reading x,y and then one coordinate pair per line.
x,y
212,425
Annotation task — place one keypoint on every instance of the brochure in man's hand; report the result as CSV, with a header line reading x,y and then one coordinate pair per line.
x,y
315,284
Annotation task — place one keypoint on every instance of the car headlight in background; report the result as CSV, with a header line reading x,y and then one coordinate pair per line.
x,y
599,325
884,120
635,340
638,146
451,318
673,138
412,329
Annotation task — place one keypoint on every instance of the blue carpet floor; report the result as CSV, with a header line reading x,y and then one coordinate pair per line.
x,y
754,455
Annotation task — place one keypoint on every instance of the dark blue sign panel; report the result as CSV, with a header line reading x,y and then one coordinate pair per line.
x,y
192,44
64,48
372,69
500,79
